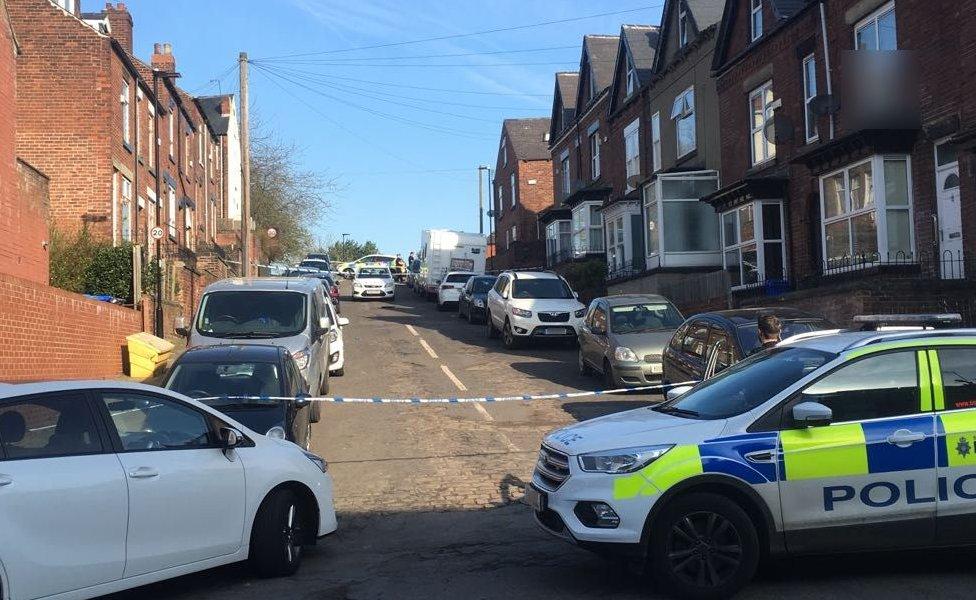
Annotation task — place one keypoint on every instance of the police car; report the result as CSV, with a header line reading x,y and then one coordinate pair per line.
x,y
830,442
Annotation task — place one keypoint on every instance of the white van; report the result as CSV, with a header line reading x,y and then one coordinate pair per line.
x,y
443,250
288,312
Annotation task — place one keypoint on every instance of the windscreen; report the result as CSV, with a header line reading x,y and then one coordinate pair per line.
x,y
373,272
644,317
749,334
252,314
482,286
314,264
458,278
209,379
747,384
541,289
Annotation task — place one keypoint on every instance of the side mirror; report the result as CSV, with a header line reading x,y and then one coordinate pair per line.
x,y
674,392
230,437
324,323
576,295
343,321
302,399
812,414
180,326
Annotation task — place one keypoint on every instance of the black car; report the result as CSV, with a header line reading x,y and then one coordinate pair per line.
x,y
708,343
213,374
471,303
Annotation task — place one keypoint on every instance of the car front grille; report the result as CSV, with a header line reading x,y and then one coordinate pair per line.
x,y
552,469
652,358
372,286
554,317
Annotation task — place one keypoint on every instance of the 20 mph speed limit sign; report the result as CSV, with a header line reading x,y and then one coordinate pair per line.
x,y
156,233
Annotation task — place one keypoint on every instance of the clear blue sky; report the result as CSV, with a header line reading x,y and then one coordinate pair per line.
x,y
385,162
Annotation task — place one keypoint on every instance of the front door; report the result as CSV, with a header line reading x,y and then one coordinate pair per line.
x,y
186,497
950,215
867,480
62,497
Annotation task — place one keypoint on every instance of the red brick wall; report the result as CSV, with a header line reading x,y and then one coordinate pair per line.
x,y
579,155
49,333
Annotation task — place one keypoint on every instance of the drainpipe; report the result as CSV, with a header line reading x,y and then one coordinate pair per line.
x,y
826,49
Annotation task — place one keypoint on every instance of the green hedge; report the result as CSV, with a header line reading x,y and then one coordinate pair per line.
x,y
80,264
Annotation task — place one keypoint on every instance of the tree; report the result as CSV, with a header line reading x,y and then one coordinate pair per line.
x,y
349,250
286,197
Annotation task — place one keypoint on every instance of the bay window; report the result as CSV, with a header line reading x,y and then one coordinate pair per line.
x,y
760,115
753,246
587,228
559,242
683,115
681,229
866,211
632,152
616,253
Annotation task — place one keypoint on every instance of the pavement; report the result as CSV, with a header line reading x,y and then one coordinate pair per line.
x,y
428,494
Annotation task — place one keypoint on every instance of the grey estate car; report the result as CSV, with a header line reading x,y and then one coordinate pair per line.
x,y
623,338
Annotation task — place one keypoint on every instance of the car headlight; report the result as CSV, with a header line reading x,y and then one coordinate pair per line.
x,y
521,312
301,358
333,336
357,286
318,461
625,460
479,302
580,313
624,354
277,432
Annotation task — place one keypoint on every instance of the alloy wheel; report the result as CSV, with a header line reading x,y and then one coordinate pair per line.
x,y
704,549
293,534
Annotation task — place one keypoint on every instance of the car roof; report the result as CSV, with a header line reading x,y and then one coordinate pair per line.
x,y
472,273
837,341
626,299
41,387
742,316
532,274
263,284
255,352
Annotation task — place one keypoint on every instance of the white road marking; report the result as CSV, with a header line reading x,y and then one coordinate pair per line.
x,y
454,378
412,330
484,412
428,348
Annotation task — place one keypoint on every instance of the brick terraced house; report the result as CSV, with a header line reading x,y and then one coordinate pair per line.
x,y
572,222
522,187
848,131
90,116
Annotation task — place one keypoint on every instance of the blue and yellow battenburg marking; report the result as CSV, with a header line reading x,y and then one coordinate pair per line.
x,y
831,452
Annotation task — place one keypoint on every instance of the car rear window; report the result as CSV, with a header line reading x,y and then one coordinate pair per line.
x,y
481,286
458,278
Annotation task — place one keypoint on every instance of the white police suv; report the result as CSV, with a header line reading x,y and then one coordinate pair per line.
x,y
831,441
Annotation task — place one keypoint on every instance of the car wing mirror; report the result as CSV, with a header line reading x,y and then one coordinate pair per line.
x,y
343,321
302,399
324,323
180,326
812,414
576,295
675,392
230,437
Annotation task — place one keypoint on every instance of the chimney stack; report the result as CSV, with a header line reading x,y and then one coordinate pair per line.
x,y
162,58
225,106
120,21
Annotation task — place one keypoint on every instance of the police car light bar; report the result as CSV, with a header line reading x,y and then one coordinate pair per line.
x,y
933,320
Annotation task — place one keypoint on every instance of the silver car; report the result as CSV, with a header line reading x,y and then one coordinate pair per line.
x,y
623,338
288,312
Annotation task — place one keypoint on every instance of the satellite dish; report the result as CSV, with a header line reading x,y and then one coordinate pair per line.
x,y
779,129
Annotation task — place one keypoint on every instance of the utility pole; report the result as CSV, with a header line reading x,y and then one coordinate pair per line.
x,y
246,170
481,202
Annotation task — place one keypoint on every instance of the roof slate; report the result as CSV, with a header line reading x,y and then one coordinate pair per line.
x,y
528,138
642,42
602,51
210,107
567,84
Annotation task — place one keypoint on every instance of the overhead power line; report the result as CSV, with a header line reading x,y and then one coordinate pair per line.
x,y
415,56
470,34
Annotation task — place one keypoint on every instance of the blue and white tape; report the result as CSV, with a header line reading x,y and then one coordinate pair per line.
x,y
455,400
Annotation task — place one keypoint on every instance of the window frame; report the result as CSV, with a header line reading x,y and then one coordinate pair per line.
x,y
125,208
879,207
758,241
682,27
512,183
594,155
631,78
679,116
584,233
653,196
125,105
564,173
760,92
213,422
632,152
808,78
755,27
872,19
656,141
171,212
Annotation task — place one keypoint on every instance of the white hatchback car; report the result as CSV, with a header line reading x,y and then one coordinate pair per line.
x,y
106,486
373,282
449,291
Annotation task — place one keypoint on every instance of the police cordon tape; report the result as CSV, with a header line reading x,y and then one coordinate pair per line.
x,y
454,400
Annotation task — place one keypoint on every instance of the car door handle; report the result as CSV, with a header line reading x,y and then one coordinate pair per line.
x,y
904,438
5,480
143,473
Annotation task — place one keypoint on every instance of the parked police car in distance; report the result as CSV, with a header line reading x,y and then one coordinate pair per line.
x,y
106,486
831,441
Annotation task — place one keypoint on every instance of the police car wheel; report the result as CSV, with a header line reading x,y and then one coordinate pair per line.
x,y
704,546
